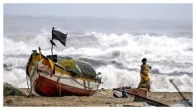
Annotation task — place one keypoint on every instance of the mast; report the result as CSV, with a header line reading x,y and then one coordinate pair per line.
x,y
52,43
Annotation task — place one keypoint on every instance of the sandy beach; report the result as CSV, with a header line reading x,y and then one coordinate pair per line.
x,y
103,98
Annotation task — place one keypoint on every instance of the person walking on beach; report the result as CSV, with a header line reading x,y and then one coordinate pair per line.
x,y
144,74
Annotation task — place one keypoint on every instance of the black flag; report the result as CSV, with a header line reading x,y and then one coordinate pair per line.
x,y
59,36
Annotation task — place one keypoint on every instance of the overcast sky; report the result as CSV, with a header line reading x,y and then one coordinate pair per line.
x,y
149,11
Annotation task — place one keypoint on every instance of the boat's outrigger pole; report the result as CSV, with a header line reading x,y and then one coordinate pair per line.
x,y
184,100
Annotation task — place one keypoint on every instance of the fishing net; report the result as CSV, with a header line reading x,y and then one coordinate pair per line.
x,y
80,67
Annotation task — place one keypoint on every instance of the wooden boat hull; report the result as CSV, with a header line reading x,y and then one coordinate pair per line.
x,y
47,87
62,83
134,91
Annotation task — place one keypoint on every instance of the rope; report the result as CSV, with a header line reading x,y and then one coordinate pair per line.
x,y
59,85
30,78
38,85
81,84
27,83
59,88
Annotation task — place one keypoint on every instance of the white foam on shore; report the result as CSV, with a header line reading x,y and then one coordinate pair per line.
x,y
15,77
113,77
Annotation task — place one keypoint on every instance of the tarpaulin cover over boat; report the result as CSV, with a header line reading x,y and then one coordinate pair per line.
x,y
79,67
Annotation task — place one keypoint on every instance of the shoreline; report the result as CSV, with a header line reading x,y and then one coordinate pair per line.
x,y
102,98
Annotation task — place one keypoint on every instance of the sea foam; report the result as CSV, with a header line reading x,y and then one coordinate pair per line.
x,y
170,58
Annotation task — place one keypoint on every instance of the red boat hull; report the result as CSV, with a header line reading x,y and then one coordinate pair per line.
x,y
46,87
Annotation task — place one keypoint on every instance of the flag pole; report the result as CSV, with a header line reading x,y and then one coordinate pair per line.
x,y
52,43
52,50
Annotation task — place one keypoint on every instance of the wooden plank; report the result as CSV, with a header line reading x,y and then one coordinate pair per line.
x,y
140,92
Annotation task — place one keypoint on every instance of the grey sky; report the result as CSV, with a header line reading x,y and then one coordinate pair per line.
x,y
149,11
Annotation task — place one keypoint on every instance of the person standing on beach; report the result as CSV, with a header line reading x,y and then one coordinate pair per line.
x,y
144,74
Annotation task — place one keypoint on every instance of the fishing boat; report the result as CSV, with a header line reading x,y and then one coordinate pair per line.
x,y
51,75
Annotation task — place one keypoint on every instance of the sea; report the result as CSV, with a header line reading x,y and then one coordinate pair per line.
x,y
112,46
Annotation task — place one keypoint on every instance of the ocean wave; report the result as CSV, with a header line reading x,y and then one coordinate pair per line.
x,y
166,54
113,77
116,56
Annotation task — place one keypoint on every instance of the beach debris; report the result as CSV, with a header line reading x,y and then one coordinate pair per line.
x,y
118,94
132,104
186,102
9,90
116,105
103,89
149,101
136,104
137,97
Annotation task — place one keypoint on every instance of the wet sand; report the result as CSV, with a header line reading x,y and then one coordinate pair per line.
x,y
103,98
